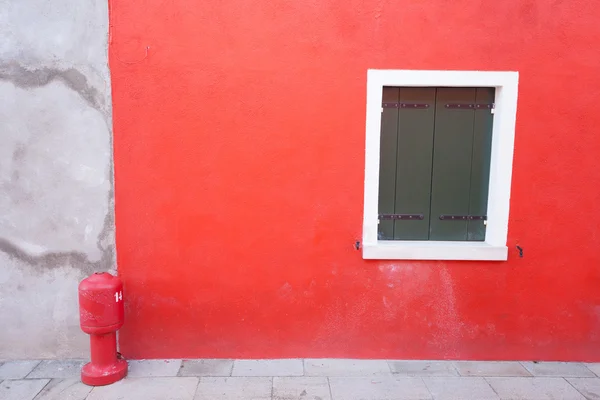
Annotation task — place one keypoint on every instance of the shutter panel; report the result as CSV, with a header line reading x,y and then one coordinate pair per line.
x,y
480,164
414,162
387,162
451,180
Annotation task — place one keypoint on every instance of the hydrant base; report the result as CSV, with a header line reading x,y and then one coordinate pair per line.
x,y
93,375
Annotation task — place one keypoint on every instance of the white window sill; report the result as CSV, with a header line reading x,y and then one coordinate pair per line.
x,y
432,250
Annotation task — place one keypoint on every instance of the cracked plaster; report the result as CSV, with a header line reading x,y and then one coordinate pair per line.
x,y
56,196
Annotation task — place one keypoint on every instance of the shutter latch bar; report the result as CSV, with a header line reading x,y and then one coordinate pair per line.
x,y
466,106
404,105
445,217
401,216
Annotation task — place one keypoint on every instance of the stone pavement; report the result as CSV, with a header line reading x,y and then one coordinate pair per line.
x,y
309,379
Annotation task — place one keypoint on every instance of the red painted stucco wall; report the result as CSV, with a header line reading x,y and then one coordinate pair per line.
x,y
239,164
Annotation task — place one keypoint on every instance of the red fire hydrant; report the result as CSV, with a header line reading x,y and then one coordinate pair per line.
x,y
101,314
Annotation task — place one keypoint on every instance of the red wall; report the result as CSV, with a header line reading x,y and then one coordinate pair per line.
x,y
239,165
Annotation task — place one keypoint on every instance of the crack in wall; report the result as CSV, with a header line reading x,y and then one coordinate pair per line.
x,y
105,243
71,77
50,260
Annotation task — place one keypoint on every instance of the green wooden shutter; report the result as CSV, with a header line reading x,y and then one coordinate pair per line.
x,y
461,163
434,161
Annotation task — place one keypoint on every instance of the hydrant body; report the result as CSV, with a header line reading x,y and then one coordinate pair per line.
x,y
101,314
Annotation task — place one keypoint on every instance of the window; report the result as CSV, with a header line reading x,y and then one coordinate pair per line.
x,y
438,167
434,162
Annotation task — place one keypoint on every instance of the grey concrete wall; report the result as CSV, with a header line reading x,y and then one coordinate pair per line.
x,y
56,198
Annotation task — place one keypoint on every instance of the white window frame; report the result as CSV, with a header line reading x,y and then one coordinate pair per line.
x,y
503,136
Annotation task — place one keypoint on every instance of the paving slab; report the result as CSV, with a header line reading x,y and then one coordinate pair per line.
x,y
378,388
423,368
58,369
588,387
17,369
301,388
343,367
460,388
594,367
491,368
281,367
559,369
208,367
234,388
64,389
158,388
151,368
22,389
534,389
